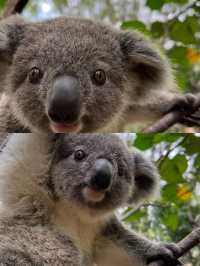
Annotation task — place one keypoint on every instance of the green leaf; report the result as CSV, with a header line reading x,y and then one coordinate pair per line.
x,y
170,171
168,137
155,4
169,193
171,220
184,31
182,79
2,3
197,8
134,216
181,2
192,144
197,161
136,25
144,141
181,163
178,55
61,2
157,29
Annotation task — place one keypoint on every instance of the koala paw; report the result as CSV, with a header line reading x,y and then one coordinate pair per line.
x,y
167,253
185,103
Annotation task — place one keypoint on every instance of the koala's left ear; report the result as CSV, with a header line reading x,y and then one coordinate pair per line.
x,y
146,179
11,32
143,60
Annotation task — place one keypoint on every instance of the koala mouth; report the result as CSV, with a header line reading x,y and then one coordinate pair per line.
x,y
65,127
93,196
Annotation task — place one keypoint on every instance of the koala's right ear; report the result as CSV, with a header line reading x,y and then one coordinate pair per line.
x,y
11,32
144,60
146,179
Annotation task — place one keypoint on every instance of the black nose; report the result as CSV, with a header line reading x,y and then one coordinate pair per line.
x,y
102,176
64,101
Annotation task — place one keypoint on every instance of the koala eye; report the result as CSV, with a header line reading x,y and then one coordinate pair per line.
x,y
99,77
79,155
35,75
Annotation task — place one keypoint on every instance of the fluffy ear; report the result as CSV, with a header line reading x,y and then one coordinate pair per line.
x,y
11,32
146,179
143,59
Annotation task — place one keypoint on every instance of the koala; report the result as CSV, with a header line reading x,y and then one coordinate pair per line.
x,y
77,75
59,197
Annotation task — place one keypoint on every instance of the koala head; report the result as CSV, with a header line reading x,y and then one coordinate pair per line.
x,y
75,75
98,173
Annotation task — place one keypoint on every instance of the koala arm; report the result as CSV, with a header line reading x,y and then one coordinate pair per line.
x,y
138,248
158,105
16,257
8,123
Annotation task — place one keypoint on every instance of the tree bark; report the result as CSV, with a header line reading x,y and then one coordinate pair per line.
x,y
185,245
191,118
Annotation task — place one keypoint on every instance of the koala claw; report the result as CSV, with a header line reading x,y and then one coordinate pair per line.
x,y
165,252
185,103
173,248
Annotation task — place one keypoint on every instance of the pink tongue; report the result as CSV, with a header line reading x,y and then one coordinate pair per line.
x,y
64,128
93,195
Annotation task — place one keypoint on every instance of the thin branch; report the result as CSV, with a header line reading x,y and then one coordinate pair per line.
x,y
13,7
189,242
146,205
193,221
171,148
174,117
185,245
183,11
165,122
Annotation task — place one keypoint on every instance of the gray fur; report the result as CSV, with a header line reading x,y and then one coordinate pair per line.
x,y
138,76
44,206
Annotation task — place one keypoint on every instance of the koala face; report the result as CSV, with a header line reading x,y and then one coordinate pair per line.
x,y
74,75
67,75
98,172
94,171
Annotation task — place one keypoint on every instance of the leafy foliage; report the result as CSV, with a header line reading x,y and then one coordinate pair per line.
x,y
180,31
176,213
2,4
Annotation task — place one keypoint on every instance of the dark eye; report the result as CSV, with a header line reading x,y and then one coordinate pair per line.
x,y
79,155
99,77
35,75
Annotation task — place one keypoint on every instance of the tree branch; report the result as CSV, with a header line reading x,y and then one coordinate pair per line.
x,y
13,7
189,117
185,245
146,205
165,122
183,11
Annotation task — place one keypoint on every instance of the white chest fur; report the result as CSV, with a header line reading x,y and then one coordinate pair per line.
x,y
68,217
86,236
